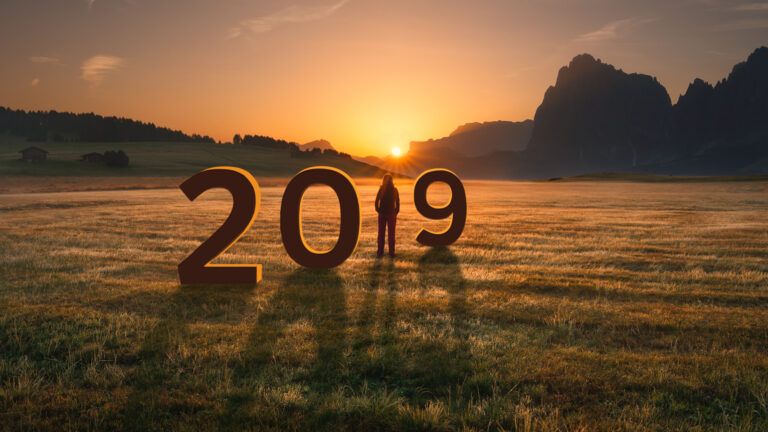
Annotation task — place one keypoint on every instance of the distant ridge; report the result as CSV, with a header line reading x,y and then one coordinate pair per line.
x,y
477,139
317,144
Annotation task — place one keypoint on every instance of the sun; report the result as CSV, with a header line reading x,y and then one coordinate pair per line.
x,y
396,152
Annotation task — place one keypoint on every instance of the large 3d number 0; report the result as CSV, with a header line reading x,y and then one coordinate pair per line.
x,y
290,217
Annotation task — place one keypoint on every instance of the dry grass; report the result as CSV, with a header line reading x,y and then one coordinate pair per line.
x,y
567,306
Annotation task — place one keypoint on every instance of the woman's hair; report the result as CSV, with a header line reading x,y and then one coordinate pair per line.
x,y
387,186
387,180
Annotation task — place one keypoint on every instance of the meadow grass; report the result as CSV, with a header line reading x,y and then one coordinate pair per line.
x,y
563,307
156,160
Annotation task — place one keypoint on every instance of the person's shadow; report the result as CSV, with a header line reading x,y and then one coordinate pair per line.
x,y
417,368
375,326
154,376
314,298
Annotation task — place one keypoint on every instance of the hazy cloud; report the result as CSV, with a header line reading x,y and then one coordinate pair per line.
x,y
44,60
35,82
612,30
743,24
751,7
290,15
115,3
96,68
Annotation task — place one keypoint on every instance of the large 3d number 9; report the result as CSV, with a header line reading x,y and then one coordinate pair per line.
x,y
290,217
456,207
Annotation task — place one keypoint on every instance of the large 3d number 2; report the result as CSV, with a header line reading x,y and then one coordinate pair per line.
x,y
246,199
290,217
456,207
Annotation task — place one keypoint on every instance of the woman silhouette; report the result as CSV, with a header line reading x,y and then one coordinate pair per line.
x,y
387,206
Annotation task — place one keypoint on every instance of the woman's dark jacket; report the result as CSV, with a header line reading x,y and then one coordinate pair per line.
x,y
388,201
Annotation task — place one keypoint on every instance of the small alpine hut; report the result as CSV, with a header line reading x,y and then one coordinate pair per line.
x,y
33,154
92,157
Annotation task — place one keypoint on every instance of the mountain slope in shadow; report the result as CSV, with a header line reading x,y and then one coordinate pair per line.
x,y
597,118
478,139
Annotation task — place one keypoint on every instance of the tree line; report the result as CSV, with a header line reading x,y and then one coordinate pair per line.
x,y
293,147
54,126
43,126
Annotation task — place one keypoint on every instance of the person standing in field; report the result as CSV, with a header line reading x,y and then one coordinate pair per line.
x,y
387,206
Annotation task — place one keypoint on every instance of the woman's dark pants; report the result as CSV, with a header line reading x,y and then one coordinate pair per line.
x,y
387,222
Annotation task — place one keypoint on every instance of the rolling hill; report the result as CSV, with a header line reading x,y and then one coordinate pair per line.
x,y
167,159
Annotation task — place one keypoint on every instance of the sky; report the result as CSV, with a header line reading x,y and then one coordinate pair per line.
x,y
367,75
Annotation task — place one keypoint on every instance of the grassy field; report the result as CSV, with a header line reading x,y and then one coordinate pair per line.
x,y
564,307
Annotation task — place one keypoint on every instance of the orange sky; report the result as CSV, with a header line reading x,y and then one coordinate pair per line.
x,y
365,75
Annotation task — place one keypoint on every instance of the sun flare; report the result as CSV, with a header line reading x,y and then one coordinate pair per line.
x,y
396,152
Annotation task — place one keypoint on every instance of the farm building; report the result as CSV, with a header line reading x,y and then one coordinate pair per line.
x,y
92,157
33,154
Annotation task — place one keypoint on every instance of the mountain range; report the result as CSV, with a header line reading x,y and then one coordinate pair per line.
x,y
598,118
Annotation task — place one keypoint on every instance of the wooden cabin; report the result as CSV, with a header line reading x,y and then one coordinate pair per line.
x,y
92,157
33,154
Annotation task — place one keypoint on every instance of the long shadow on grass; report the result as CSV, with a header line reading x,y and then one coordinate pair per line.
x,y
160,364
275,361
430,357
375,356
443,365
